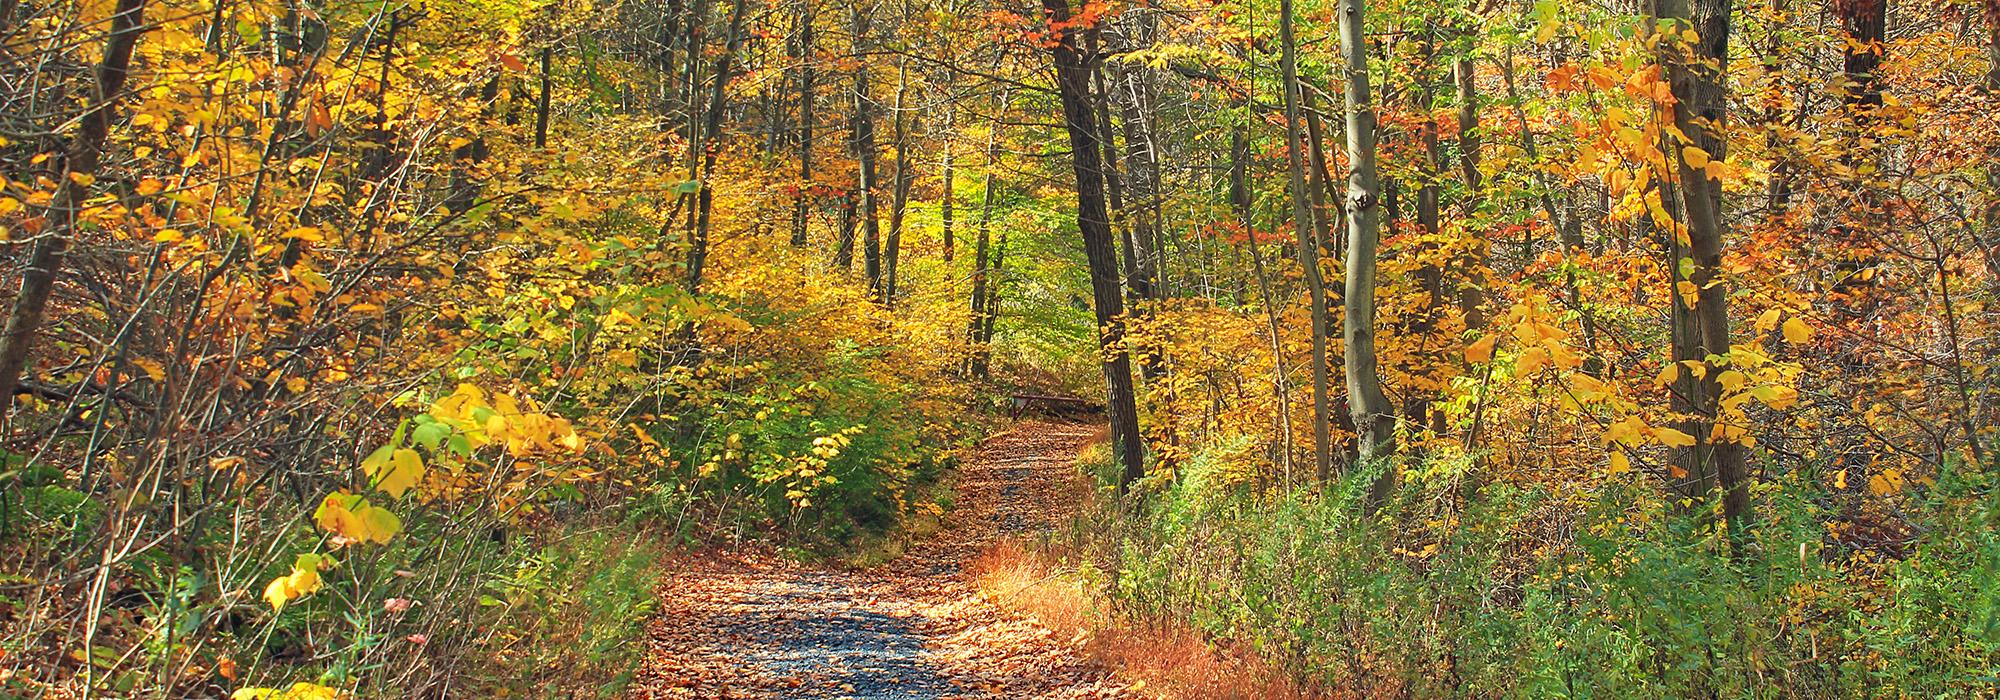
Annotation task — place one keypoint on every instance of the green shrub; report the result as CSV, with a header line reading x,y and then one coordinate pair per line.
x,y
1531,591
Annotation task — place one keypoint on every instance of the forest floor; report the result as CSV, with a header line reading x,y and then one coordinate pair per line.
x,y
750,624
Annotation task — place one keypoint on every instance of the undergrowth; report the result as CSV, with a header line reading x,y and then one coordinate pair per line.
x,y
1453,589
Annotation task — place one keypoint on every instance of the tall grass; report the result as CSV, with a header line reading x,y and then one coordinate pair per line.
x,y
1597,590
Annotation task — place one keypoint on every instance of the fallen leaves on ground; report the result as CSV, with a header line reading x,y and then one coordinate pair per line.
x,y
748,624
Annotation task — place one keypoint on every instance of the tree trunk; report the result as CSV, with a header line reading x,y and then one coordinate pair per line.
x,y
864,156
1142,183
1472,290
946,208
1863,21
542,101
711,134
1308,246
1239,201
1374,418
843,251
1431,275
899,197
802,206
1114,189
80,162
1073,84
1702,329
1993,152
981,354
1319,178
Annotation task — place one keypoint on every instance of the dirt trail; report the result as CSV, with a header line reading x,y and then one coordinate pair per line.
x,y
754,626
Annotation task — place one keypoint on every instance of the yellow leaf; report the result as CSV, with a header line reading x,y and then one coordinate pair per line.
x,y
1673,438
1695,156
1888,482
1533,361
302,581
298,691
1625,431
1767,321
1796,331
296,384
354,518
83,179
1728,431
1481,351
1777,397
1619,463
404,470
151,368
306,233
1668,374
1731,380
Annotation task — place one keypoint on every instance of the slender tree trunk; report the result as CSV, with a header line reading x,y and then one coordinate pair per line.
x,y
900,195
1239,200
1993,152
1121,220
843,251
1142,184
1308,245
1472,289
1864,22
1374,418
711,137
542,101
80,163
1319,178
982,353
1702,329
802,206
1572,240
995,287
1143,256
1430,205
1073,85
864,155
947,210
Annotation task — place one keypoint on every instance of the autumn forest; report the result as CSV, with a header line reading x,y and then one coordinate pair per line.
x,y
997,348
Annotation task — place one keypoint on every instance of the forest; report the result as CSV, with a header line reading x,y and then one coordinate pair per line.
x,y
994,348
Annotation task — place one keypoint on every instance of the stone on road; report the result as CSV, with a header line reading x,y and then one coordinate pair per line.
x,y
749,625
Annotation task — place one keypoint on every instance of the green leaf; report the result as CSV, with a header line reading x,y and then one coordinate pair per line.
x,y
430,433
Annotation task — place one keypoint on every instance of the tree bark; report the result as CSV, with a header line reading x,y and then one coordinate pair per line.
x,y
947,210
1702,329
1308,245
1239,201
1073,85
864,156
711,132
542,101
1472,290
1863,22
1374,418
801,207
1993,152
899,197
981,353
80,163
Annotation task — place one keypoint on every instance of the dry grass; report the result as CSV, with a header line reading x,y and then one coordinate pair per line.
x,y
1170,659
